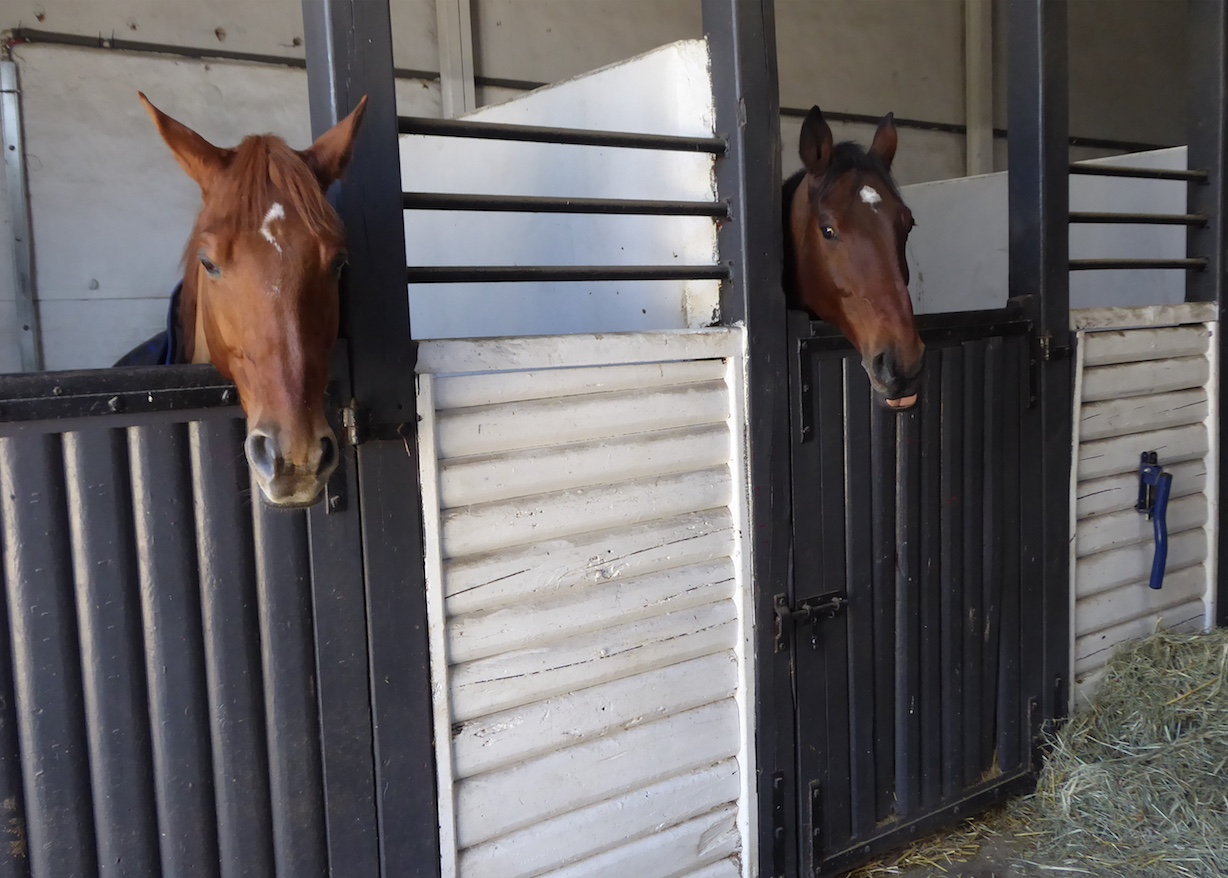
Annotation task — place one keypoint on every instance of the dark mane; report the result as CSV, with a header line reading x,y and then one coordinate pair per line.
x,y
847,157
264,169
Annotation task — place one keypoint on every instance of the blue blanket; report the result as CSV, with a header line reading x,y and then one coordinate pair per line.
x,y
165,348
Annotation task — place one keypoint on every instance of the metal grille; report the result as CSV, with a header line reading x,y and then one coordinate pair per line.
x,y
910,704
159,685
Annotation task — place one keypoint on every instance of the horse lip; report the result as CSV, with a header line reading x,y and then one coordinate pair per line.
x,y
902,403
291,504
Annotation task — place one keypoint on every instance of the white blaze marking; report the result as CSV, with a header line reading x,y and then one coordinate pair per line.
x,y
868,194
277,212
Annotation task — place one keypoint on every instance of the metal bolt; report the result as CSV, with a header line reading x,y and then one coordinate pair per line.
x,y
57,391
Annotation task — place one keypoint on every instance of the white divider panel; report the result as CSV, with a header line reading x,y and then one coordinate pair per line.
x,y
1144,382
958,252
588,604
665,91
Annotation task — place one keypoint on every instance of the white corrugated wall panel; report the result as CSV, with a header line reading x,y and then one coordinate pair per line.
x,y
1140,387
587,604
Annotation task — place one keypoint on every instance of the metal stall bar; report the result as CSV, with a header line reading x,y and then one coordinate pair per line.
x,y
1039,256
743,34
1197,263
445,274
1154,219
549,134
378,626
1208,139
546,204
29,336
1191,176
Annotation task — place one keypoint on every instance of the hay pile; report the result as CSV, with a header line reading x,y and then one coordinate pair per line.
x,y
1136,785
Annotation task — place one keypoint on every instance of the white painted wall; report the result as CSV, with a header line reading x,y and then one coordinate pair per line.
x,y
1145,381
589,608
958,252
665,91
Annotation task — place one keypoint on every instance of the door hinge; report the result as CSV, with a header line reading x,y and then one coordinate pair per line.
x,y
780,832
816,827
349,424
811,611
1051,349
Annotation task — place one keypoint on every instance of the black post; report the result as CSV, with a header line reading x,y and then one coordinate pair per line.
x,y
742,39
1039,267
1208,138
349,54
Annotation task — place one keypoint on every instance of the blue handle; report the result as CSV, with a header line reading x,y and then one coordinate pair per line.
x,y
1159,521
1154,486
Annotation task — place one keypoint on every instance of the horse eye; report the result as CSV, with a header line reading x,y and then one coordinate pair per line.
x,y
210,267
828,232
339,264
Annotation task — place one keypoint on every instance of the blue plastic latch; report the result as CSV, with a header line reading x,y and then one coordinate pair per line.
x,y
1154,486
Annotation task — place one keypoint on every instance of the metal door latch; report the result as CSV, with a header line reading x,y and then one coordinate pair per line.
x,y
811,611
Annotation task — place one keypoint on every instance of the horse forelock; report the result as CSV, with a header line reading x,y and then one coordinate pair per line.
x,y
266,177
849,157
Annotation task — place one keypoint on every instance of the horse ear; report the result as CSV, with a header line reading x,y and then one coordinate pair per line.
x,y
815,145
197,156
330,155
885,141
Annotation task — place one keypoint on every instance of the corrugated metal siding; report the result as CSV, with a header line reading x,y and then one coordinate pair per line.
x,y
158,709
1140,389
582,545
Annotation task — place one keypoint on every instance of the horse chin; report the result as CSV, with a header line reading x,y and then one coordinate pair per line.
x,y
303,494
901,404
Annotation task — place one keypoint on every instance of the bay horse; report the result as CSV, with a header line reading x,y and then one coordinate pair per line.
x,y
259,296
845,226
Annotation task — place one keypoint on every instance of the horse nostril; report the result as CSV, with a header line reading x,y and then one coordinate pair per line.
x,y
262,454
328,454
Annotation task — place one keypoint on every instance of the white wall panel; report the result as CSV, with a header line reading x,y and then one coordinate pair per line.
x,y
665,91
587,614
1146,386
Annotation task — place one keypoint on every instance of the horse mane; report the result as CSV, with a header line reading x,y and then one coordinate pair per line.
x,y
263,170
846,157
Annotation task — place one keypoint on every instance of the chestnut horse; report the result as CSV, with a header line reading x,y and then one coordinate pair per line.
x,y
259,296
845,226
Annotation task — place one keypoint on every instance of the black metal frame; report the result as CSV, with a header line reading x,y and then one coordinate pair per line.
x,y
1207,132
349,54
1039,268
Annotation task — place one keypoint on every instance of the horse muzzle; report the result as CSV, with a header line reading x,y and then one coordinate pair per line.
x,y
895,384
286,481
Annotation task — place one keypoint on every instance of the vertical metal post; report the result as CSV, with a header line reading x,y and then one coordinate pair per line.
x,y
349,54
1039,267
454,32
28,335
1207,130
978,86
742,40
